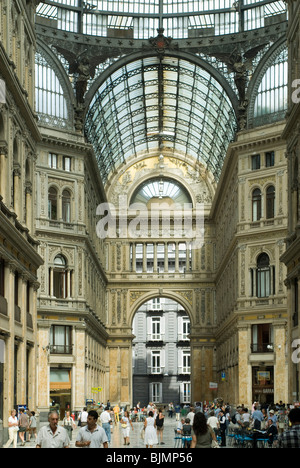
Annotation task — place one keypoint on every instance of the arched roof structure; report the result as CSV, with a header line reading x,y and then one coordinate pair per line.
x,y
156,103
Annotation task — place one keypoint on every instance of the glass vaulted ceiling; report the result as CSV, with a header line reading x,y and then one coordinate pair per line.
x,y
155,104
140,19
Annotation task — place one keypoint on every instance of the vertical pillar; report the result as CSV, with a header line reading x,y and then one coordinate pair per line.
x,y
245,369
17,190
3,174
134,257
68,283
166,257
176,257
144,258
155,257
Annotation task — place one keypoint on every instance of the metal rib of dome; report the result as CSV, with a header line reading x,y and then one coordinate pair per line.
x,y
156,103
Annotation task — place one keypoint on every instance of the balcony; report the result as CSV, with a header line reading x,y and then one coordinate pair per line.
x,y
61,349
260,348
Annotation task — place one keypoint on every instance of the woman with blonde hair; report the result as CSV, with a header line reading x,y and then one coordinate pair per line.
x,y
13,428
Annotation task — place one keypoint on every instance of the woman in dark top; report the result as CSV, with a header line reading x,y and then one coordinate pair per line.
x,y
203,434
160,426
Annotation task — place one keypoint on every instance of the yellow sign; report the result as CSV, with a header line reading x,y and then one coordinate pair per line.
x,y
96,389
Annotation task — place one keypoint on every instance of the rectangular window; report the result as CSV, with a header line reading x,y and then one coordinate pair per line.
x,y
156,392
270,159
186,328
262,338
186,392
60,339
155,362
52,160
255,162
155,329
67,163
186,360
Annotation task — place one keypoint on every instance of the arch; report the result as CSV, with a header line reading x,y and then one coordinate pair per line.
x,y
53,202
149,295
61,111
267,61
177,103
60,252
160,188
66,205
256,202
270,201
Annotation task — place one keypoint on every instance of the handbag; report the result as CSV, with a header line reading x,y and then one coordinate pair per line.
x,y
143,433
124,426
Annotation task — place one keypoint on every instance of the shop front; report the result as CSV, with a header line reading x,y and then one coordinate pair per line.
x,y
60,391
263,384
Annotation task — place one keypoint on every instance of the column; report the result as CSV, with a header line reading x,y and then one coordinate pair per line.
x,y
51,280
68,273
176,257
166,257
155,257
3,173
28,214
245,369
133,258
17,192
144,258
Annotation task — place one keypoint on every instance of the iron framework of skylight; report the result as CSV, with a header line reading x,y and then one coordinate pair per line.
x,y
150,104
140,19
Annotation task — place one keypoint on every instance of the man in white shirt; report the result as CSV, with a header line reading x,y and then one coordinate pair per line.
x,y
191,416
83,417
92,435
106,420
213,422
53,435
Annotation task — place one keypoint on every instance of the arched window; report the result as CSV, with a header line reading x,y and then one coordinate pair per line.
x,y
263,279
256,205
52,203
270,202
66,206
60,277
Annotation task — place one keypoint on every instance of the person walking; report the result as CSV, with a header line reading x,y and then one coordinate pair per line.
x,y
83,417
213,422
13,429
23,425
106,421
126,423
92,435
160,426
223,427
53,435
203,436
32,426
116,413
258,418
150,432
68,424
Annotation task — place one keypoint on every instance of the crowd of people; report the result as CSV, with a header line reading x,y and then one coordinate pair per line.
x,y
198,426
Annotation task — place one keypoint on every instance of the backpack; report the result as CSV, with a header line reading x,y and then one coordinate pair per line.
x,y
233,419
